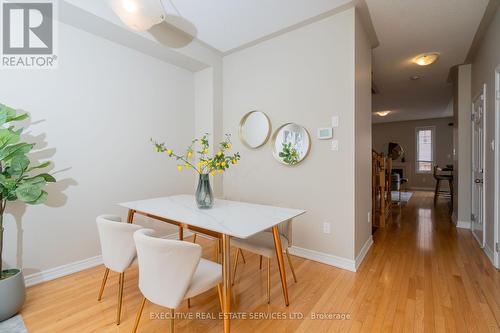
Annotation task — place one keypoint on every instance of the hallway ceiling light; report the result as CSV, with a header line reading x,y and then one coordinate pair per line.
x,y
426,58
139,15
382,113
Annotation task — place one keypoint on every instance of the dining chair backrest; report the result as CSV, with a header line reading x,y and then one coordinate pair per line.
x,y
285,230
117,242
166,267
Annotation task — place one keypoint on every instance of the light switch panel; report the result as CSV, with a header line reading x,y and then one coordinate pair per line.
x,y
335,121
335,145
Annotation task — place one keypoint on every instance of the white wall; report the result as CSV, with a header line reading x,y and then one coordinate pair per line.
x,y
462,173
363,137
484,64
304,76
94,116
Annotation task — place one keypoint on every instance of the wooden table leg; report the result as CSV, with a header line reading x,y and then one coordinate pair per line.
x,y
130,216
226,277
281,262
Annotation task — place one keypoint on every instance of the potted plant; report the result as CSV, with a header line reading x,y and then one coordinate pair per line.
x,y
17,182
204,164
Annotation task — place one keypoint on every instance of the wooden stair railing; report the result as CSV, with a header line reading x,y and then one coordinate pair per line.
x,y
381,188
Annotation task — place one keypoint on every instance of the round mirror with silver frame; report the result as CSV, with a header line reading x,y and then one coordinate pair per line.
x,y
291,144
255,129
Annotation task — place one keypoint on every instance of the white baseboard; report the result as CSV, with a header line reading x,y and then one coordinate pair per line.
x,y
364,250
57,272
489,254
324,258
77,266
463,224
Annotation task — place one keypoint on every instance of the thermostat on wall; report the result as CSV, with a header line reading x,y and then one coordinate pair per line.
x,y
325,133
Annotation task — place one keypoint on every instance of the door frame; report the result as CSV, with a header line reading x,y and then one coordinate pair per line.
x,y
496,207
483,208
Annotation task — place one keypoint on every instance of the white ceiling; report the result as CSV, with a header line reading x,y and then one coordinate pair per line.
x,y
408,28
228,24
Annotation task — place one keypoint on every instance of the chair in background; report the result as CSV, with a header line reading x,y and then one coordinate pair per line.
x,y
439,177
263,245
171,271
118,251
398,184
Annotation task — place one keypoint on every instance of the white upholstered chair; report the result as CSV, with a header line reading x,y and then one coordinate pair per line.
x,y
263,245
171,271
118,251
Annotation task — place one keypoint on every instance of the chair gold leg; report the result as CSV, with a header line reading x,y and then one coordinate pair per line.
x,y
260,263
235,265
172,323
219,291
268,280
194,238
189,303
120,297
106,272
242,256
291,266
139,314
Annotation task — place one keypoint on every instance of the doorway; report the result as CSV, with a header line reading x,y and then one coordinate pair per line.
x,y
478,147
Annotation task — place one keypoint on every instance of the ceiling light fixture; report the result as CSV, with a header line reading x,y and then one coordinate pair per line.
x,y
415,77
382,113
139,15
426,58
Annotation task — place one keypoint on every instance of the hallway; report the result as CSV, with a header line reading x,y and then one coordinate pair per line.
x,y
432,276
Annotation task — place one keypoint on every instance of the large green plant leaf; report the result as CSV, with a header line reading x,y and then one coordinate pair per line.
x,y
8,137
30,190
9,152
18,165
41,199
40,166
48,178
6,113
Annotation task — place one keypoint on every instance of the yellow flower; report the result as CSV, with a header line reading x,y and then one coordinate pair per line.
x,y
220,171
234,161
187,165
200,164
169,152
217,164
228,146
189,154
205,151
223,164
219,153
212,172
179,167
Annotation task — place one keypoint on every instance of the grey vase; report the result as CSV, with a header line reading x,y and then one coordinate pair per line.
x,y
204,195
12,294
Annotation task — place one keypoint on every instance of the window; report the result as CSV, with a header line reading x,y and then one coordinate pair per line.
x,y
425,149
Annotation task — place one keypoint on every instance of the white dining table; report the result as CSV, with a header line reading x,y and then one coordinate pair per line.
x,y
224,220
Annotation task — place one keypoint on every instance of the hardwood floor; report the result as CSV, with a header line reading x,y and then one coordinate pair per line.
x,y
421,274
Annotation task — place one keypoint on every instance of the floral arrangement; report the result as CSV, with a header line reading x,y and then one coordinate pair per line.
x,y
203,163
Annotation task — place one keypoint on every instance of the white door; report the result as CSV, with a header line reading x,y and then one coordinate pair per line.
x,y
477,217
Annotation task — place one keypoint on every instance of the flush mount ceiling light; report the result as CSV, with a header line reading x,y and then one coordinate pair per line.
x,y
382,113
139,15
426,58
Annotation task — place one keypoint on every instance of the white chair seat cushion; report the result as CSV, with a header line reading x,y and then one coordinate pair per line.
x,y
207,275
261,243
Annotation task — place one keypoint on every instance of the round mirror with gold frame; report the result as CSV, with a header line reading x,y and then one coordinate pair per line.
x,y
291,144
255,129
